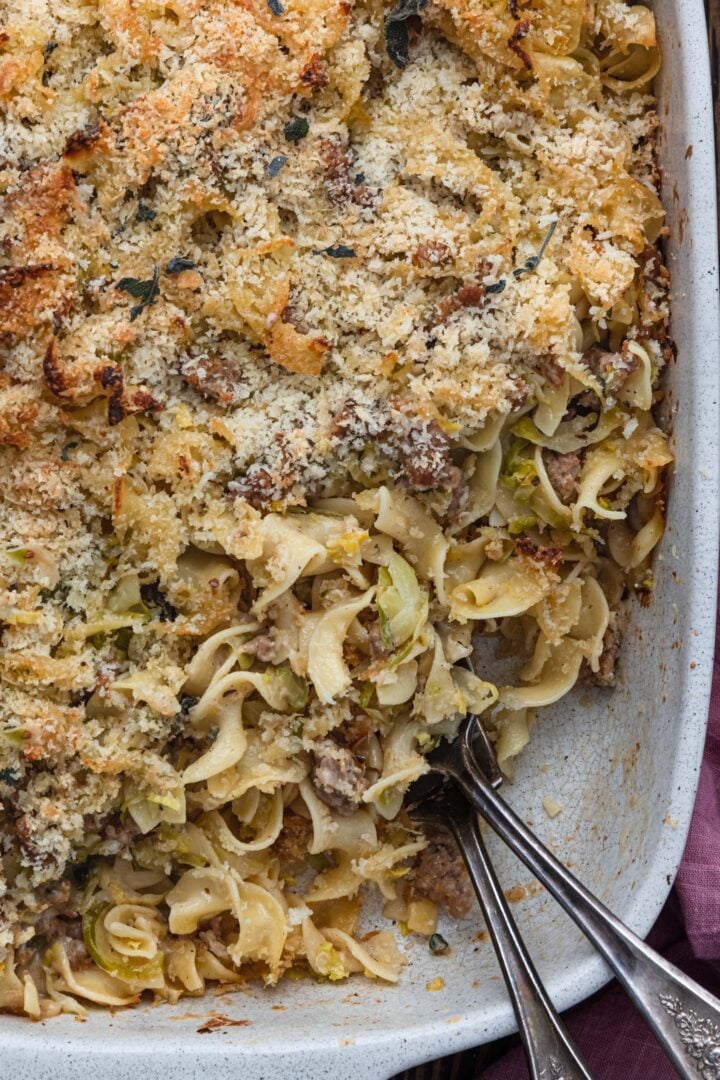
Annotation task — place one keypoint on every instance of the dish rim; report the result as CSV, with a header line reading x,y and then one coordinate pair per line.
x,y
373,1052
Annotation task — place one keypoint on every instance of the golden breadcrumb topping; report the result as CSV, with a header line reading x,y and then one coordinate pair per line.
x,y
255,255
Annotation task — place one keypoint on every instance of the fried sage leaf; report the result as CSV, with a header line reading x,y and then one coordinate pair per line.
x,y
144,291
296,129
396,30
336,251
178,264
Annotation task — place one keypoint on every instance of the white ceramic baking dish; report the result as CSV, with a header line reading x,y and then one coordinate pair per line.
x,y
623,765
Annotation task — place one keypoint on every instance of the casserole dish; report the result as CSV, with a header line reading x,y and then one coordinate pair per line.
x,y
624,766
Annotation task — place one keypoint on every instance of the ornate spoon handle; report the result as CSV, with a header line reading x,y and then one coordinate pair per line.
x,y
549,1050
684,1017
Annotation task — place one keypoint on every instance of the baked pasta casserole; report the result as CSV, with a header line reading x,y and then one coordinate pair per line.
x,y
330,337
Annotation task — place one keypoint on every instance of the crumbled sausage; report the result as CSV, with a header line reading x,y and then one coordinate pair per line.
x,y
547,365
337,776
216,378
605,675
563,471
294,839
264,647
259,487
314,74
654,276
340,183
426,460
58,927
117,833
420,447
431,253
346,421
613,369
467,296
440,876
291,315
264,484
356,425
549,557
52,927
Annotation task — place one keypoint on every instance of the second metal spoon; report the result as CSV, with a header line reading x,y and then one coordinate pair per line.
x,y
549,1049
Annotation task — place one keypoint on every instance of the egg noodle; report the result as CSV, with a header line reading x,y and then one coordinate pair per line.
x,y
331,335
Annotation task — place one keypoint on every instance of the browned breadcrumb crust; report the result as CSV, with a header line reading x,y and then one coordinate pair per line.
x,y
146,412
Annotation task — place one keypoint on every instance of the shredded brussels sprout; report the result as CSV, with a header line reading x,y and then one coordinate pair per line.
x,y
98,946
402,604
291,689
329,963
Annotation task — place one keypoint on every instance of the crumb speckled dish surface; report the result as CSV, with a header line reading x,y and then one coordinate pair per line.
x,y
623,765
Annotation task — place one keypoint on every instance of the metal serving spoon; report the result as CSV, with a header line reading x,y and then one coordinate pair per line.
x,y
548,1048
684,1017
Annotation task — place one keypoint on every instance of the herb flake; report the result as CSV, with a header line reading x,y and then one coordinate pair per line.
x,y
187,703
528,266
337,251
276,8
277,165
154,598
145,212
497,288
144,291
397,40
296,129
533,262
178,264
438,945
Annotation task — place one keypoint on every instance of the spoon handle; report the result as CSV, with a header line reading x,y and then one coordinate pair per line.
x,y
548,1047
684,1017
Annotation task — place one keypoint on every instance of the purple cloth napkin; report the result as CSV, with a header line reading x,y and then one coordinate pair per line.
x,y
614,1040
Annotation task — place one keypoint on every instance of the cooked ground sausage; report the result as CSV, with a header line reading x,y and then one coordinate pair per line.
x,y
314,74
563,471
264,647
263,484
467,296
605,675
294,839
613,368
337,776
541,554
216,378
431,253
547,366
342,184
258,487
426,460
440,875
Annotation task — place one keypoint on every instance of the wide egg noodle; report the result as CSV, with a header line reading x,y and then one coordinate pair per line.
x,y
316,371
